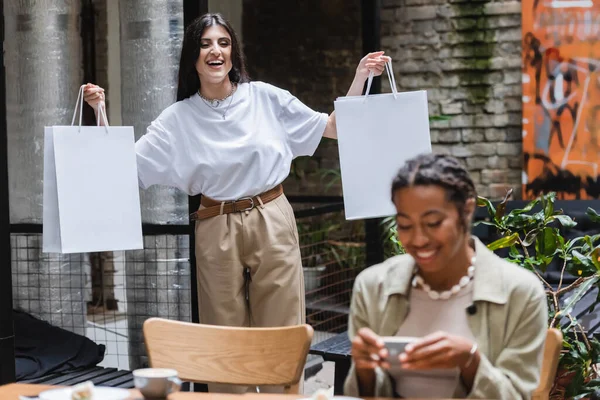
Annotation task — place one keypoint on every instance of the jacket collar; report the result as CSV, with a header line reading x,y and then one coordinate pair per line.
x,y
488,282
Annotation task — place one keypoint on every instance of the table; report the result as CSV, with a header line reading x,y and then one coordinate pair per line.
x,y
336,349
13,390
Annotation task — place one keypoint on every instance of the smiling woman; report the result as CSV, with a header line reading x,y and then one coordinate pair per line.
x,y
435,199
212,61
477,323
233,141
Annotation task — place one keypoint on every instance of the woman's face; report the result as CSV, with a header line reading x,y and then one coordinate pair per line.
x,y
214,62
429,226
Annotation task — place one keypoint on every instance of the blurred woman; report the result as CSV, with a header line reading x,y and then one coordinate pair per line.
x,y
479,322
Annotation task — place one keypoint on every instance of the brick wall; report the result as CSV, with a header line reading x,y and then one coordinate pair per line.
x,y
310,48
467,55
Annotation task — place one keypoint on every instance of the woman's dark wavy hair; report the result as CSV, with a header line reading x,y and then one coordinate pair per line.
x,y
440,170
189,83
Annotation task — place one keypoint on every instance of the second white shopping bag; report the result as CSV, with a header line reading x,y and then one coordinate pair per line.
x,y
91,195
376,135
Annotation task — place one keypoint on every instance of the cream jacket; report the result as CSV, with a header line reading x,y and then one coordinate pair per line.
x,y
509,324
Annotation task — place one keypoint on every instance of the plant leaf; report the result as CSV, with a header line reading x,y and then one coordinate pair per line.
x,y
501,209
587,389
483,202
578,294
583,350
483,222
592,215
531,237
440,118
565,221
548,206
588,242
574,244
547,242
514,253
527,208
584,260
525,222
595,257
575,386
506,241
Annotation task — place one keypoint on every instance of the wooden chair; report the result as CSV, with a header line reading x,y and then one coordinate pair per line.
x,y
554,341
237,356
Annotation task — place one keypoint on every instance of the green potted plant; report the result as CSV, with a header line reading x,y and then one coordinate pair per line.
x,y
534,240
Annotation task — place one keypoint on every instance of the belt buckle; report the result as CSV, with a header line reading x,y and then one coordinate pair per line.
x,y
247,208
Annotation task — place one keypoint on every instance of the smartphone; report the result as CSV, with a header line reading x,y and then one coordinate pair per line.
x,y
395,346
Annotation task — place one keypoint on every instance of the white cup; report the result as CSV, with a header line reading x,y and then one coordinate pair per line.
x,y
156,383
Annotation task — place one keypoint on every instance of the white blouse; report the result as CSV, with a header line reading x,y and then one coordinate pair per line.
x,y
191,146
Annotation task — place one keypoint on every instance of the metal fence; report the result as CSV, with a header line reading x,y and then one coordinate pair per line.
x,y
107,296
333,252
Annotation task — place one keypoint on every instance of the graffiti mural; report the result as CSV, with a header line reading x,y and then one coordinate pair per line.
x,y
561,98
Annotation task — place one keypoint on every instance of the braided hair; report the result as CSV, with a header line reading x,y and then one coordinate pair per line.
x,y
440,170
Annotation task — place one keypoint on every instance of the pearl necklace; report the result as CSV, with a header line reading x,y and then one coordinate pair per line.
x,y
445,295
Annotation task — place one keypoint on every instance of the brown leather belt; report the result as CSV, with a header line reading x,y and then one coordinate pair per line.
x,y
215,207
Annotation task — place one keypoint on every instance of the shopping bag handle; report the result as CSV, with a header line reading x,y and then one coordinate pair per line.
x,y
390,74
102,115
79,102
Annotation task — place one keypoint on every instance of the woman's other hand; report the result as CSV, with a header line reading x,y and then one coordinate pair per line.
x,y
374,62
93,95
368,350
438,350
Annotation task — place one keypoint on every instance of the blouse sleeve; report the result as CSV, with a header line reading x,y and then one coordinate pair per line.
x,y
154,161
303,126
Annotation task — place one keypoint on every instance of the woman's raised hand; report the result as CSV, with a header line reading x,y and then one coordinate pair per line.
x,y
93,95
374,62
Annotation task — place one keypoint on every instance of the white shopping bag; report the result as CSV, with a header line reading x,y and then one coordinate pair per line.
x,y
376,135
91,195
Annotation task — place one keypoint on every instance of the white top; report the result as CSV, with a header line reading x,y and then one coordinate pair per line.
x,y
427,316
192,147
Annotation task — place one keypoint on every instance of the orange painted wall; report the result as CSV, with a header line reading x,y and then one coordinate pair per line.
x,y
561,98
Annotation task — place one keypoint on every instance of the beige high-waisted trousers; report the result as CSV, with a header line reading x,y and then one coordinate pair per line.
x,y
264,243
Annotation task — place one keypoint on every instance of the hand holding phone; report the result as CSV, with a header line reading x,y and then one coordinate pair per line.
x,y
395,346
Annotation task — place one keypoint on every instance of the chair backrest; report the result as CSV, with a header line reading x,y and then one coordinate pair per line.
x,y
554,342
230,355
